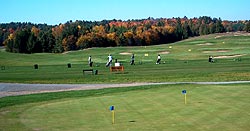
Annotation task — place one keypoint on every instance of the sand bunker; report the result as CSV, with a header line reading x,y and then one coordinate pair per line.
x,y
216,51
125,53
164,52
228,56
205,44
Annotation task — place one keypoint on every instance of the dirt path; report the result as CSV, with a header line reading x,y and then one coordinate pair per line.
x,y
12,89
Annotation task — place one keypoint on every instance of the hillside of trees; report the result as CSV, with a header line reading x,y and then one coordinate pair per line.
x,y
33,38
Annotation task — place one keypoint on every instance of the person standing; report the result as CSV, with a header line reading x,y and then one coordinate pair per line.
x,y
158,59
132,62
109,63
90,61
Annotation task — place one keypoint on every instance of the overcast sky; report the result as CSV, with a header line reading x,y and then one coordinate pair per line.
x,y
61,11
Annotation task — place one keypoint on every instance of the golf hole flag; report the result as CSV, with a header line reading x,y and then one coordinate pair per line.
x,y
112,109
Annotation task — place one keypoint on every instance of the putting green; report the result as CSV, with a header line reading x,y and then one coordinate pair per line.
x,y
208,108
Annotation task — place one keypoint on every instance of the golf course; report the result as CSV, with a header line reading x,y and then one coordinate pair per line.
x,y
159,107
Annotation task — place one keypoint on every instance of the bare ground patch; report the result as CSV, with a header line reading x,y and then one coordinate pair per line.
x,y
125,53
228,56
66,52
218,36
205,44
164,52
216,51
239,33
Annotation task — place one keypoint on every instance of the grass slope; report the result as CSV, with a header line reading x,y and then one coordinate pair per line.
x,y
185,61
161,107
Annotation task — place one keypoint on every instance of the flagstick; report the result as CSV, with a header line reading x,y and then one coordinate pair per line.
x,y
184,92
185,98
113,117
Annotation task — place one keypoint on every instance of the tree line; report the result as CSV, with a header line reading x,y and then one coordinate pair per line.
x,y
35,38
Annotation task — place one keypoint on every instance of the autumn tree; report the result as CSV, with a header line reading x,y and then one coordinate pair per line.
x,y
112,39
69,43
9,43
129,38
139,37
35,31
28,38
84,41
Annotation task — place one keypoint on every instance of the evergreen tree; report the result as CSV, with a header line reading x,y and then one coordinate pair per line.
x,y
1,37
212,28
31,43
47,41
186,30
247,27
20,42
178,30
219,27
58,46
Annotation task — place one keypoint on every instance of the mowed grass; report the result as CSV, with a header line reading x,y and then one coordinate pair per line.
x,y
146,108
182,61
158,107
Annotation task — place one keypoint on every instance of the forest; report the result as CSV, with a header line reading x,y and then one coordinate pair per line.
x,y
27,37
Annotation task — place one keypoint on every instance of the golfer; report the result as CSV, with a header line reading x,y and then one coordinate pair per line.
x,y
90,61
132,62
158,59
109,63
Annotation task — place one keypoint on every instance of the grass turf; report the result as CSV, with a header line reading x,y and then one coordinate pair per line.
x,y
181,64
209,107
161,107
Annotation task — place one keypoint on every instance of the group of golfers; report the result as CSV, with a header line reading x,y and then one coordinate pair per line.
x,y
110,58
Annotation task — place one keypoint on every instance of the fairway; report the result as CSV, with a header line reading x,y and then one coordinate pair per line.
x,y
185,61
208,108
